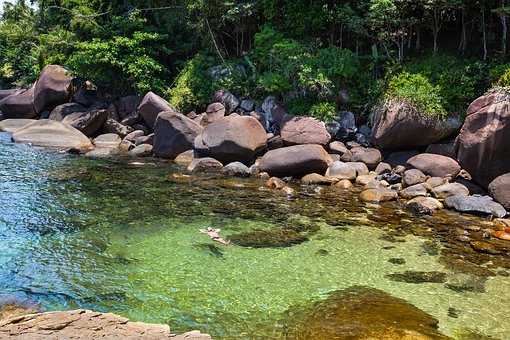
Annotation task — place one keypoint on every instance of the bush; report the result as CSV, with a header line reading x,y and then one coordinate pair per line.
x,y
417,90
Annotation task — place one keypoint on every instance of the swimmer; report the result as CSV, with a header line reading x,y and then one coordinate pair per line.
x,y
214,234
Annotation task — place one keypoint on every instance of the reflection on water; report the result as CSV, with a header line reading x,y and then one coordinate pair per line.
x,y
111,236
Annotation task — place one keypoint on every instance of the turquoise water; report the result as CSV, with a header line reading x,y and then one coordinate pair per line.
x,y
122,237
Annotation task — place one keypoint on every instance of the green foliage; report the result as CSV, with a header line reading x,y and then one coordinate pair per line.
x,y
325,111
500,75
417,90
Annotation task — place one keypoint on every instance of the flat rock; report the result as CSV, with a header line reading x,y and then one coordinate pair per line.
x,y
48,133
64,110
12,125
482,205
85,325
87,122
450,189
413,191
107,140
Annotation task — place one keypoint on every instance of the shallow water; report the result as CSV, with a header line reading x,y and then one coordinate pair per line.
x,y
120,237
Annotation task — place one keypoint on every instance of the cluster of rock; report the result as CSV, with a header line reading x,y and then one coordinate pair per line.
x,y
239,139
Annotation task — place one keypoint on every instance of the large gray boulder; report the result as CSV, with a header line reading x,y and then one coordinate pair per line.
x,y
19,105
49,133
232,138
151,106
297,160
397,125
52,88
174,134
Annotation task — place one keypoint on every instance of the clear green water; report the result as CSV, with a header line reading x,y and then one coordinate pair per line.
x,y
119,237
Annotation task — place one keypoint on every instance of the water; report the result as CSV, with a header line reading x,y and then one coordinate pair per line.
x,y
124,238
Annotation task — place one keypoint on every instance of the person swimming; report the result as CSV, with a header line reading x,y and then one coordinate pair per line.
x,y
214,234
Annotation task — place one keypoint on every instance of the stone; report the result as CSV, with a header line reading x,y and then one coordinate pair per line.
x,y
100,152
424,205
134,135
132,120
361,313
365,179
343,127
316,179
397,125
12,125
231,139
417,277
185,158
112,126
445,149
370,156
338,148
236,169
275,183
482,145
343,184
142,150
52,88
272,115
19,105
275,142
64,110
435,181
378,195
297,160
85,93
206,164
391,178
9,92
374,184
229,101
174,134
214,112
127,106
151,106
413,191
435,165
383,168
87,122
499,189
49,133
400,158
84,324
412,177
145,139
450,189
108,140
341,170
247,105
304,130
482,205
361,168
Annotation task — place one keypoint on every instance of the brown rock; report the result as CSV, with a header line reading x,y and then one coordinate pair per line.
x,y
12,125
185,158
378,195
304,130
450,189
435,165
52,88
341,170
365,179
413,191
205,165
112,126
151,106
316,179
214,112
370,156
499,189
343,184
412,177
383,168
275,183
19,105
295,160
64,110
87,122
424,205
174,134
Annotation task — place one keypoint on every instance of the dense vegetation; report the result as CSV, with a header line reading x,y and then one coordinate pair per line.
x,y
437,54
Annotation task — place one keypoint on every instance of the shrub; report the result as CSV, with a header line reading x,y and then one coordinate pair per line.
x,y
417,90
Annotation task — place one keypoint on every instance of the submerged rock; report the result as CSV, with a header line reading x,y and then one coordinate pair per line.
x,y
271,238
424,205
483,205
361,313
13,125
418,277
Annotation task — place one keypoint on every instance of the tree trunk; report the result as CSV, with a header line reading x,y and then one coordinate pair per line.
x,y
504,28
463,36
418,39
435,30
484,34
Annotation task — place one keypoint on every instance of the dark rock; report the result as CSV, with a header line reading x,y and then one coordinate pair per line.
x,y
87,122
145,140
272,238
304,130
127,106
275,142
52,88
424,205
397,125
482,205
86,95
418,277
174,134
391,178
435,165
443,149
134,135
298,160
400,158
273,115
397,261
19,105
499,189
247,105
7,93
229,101
64,110
112,126
474,189
131,119
231,139
343,127
482,145
151,106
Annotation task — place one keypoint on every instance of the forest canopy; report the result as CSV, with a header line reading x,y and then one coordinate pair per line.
x,y
438,54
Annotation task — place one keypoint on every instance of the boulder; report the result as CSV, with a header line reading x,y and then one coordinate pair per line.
x,y
343,184
185,158
340,149
19,105
127,106
450,189
413,191
445,149
145,140
481,205
229,101
52,88
435,165
247,105
103,153
499,189
64,110
482,145
343,127
151,106
433,182
412,177
383,168
340,170
316,179
204,165
370,156
232,138
132,136
49,133
236,169
214,112
272,115
12,125
112,126
87,122
304,130
397,125
108,140
361,168
174,134
142,150
9,92
297,160
378,195
275,183
86,95
365,179
424,205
